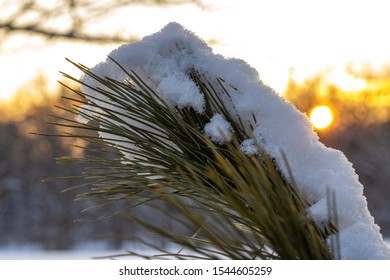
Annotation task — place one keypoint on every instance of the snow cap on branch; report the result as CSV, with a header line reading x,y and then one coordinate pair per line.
x,y
166,58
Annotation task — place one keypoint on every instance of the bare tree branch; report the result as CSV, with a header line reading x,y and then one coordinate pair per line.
x,y
71,35
68,19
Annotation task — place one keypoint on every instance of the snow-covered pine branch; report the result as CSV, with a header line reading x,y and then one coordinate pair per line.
x,y
165,61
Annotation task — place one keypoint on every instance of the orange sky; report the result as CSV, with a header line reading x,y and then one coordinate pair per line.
x,y
272,36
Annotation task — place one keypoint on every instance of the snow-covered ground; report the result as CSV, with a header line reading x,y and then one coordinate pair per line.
x,y
86,251
32,253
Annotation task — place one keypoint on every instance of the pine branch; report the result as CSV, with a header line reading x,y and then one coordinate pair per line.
x,y
235,205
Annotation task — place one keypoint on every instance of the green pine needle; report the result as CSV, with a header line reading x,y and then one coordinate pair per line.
x,y
232,205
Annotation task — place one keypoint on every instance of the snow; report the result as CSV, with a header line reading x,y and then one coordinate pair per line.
x,y
249,147
82,251
218,129
164,59
185,95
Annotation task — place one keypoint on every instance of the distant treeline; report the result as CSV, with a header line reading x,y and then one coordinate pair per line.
x,y
36,212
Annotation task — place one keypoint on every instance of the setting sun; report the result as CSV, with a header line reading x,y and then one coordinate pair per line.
x,y
321,117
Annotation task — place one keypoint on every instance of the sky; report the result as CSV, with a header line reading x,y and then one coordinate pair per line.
x,y
272,36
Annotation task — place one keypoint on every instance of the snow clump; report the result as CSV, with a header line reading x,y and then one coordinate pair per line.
x,y
218,129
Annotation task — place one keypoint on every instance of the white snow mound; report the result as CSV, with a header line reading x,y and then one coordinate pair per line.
x,y
164,60
218,129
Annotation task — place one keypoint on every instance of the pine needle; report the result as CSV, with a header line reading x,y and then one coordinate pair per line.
x,y
231,205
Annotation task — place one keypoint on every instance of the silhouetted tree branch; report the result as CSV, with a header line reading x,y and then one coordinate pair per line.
x,y
67,19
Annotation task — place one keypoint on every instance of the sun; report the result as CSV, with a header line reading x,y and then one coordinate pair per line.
x,y
321,117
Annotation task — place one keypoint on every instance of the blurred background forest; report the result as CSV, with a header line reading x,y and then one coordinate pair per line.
x,y
38,214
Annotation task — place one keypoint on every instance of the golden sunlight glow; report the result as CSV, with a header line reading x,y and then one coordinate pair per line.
x,y
347,82
275,40
321,117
